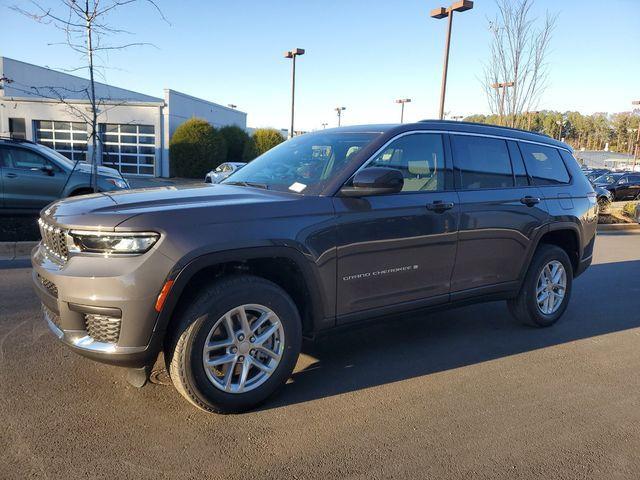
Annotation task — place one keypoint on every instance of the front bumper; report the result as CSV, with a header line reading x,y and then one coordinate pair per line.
x,y
124,287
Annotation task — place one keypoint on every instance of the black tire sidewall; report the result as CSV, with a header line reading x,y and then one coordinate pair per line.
x,y
547,254
262,293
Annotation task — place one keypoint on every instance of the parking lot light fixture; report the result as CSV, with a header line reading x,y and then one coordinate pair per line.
x,y
402,101
292,54
503,86
339,111
440,13
231,105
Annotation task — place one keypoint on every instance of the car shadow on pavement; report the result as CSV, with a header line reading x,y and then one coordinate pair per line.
x,y
605,300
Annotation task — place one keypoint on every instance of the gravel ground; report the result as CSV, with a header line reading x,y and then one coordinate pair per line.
x,y
460,394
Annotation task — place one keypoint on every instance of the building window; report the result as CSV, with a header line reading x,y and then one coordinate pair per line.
x,y
67,138
129,148
17,128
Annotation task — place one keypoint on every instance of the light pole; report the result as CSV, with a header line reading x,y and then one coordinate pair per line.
x,y
231,105
402,101
293,54
339,110
324,125
503,86
440,13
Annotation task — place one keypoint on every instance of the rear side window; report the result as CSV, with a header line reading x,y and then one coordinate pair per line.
x,y
482,162
544,164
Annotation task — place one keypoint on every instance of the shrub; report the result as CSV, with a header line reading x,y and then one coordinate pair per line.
x,y
195,148
263,139
236,139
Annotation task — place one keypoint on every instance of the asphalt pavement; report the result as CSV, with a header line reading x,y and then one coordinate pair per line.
x,y
465,393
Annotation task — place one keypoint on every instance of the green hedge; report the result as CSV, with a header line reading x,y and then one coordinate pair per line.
x,y
195,148
236,139
263,139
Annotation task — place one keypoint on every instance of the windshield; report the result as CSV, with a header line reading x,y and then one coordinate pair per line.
x,y
608,178
52,153
303,164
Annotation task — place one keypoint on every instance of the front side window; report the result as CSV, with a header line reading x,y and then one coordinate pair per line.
x,y
420,158
303,164
22,158
544,164
482,162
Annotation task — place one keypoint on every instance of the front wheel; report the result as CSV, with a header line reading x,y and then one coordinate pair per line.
x,y
546,289
235,345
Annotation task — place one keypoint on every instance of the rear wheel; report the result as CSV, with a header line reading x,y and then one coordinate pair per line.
x,y
235,345
546,289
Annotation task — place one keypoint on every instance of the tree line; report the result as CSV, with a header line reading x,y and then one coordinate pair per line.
x,y
590,132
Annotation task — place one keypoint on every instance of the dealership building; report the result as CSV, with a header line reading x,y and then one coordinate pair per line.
x,y
51,107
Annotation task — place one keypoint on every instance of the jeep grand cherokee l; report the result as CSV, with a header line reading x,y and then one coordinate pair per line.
x,y
327,229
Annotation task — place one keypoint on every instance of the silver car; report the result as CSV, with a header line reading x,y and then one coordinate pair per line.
x,y
223,171
32,176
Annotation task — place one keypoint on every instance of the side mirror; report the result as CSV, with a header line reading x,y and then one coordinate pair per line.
x,y
374,181
48,169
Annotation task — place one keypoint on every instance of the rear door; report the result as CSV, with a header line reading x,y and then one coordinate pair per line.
x,y
399,249
500,213
25,183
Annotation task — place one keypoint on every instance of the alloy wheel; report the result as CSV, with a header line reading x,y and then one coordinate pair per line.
x,y
551,287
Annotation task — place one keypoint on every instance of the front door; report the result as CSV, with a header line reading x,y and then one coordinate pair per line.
x,y
26,183
399,249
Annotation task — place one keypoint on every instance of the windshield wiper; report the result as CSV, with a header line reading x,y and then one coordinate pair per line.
x,y
249,184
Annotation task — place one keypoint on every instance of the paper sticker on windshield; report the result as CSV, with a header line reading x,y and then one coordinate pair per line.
x,y
297,187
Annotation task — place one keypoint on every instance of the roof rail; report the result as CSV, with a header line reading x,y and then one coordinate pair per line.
x,y
484,125
15,139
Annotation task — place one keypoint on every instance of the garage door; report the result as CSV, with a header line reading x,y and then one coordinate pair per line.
x,y
129,148
67,138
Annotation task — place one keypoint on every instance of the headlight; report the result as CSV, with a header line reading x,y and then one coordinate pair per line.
x,y
110,243
118,182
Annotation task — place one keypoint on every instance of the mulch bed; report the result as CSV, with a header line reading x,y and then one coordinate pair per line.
x,y
22,228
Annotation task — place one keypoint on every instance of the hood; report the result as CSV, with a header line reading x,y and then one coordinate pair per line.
x,y
109,209
85,167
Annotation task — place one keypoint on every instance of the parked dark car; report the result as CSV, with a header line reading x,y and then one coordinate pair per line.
x,y
622,185
326,230
32,176
592,175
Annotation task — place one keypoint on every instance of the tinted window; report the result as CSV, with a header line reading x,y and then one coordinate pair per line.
x,y
544,164
482,162
634,179
22,158
420,158
518,165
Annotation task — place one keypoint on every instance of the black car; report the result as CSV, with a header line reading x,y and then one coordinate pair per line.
x,y
328,229
622,185
592,175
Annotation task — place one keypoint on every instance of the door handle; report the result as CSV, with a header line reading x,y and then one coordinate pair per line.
x,y
439,206
529,201
11,175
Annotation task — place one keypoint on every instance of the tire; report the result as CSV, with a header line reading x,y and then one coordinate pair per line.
x,y
603,204
524,307
185,354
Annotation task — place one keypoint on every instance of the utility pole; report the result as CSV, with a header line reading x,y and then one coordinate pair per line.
x,y
293,54
402,101
339,110
503,86
438,14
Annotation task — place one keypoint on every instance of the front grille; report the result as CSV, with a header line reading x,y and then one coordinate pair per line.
x,y
49,286
54,240
102,328
51,315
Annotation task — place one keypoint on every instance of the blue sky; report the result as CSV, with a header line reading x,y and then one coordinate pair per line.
x,y
361,54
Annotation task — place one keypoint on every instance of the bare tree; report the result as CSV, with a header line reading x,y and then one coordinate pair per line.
x,y
519,49
84,24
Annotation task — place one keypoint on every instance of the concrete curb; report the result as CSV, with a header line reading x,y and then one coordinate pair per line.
x,y
16,250
615,227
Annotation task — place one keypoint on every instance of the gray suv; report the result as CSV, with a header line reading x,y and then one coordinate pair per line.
x,y
32,176
326,230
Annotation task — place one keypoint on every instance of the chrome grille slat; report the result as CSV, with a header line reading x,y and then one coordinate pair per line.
x,y
54,241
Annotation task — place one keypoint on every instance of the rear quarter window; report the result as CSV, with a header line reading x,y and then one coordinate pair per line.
x,y
544,164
